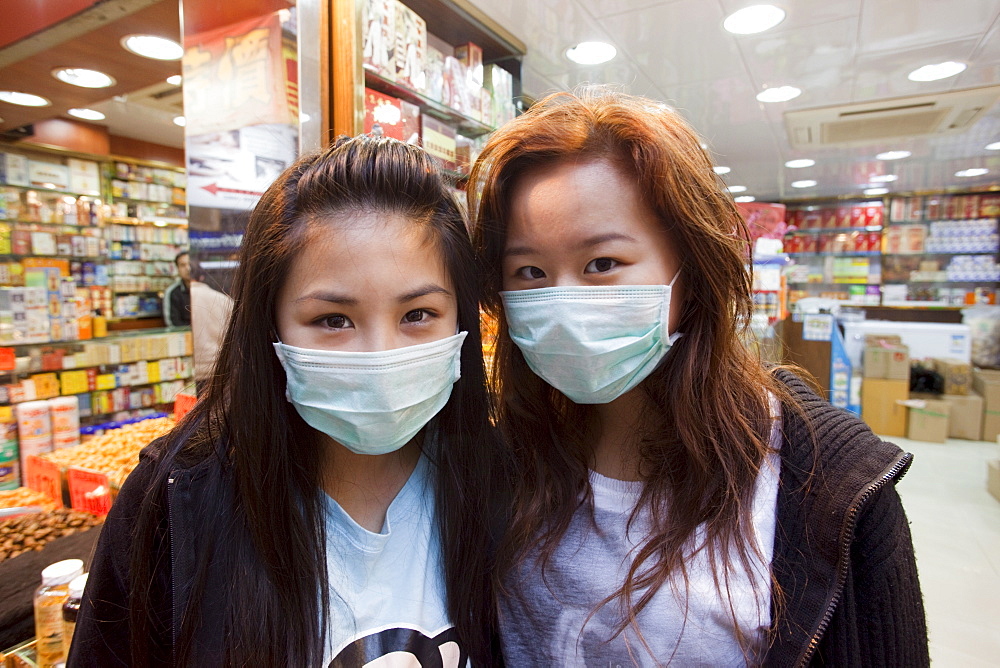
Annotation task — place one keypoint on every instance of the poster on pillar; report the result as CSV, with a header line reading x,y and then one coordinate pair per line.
x,y
241,110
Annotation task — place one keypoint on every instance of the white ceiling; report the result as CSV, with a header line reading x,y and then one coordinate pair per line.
x,y
836,51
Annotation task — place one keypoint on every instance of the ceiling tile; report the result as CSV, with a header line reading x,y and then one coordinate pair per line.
x,y
678,42
883,75
807,12
892,26
815,58
604,8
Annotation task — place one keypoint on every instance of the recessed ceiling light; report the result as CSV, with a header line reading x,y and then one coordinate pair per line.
x,y
893,155
883,178
807,183
180,120
151,46
87,114
82,77
23,99
800,163
745,198
737,189
175,80
721,169
591,53
937,71
753,19
876,191
779,94
975,171
995,146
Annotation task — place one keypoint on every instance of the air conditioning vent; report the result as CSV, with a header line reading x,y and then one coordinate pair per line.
x,y
889,119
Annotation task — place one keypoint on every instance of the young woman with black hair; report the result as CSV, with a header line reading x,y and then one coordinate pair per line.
x,y
326,500
676,502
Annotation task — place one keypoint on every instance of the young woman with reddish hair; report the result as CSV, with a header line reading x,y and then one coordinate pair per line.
x,y
677,502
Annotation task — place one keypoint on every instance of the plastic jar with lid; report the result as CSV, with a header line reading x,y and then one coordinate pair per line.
x,y
71,609
49,600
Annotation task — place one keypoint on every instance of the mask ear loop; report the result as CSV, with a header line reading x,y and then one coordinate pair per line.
x,y
668,337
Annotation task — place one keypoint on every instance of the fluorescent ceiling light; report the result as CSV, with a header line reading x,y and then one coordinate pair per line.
x,y
721,169
737,189
23,99
180,120
745,198
753,19
800,163
975,171
151,46
82,77
175,80
591,53
883,178
937,71
893,155
87,114
876,191
807,183
779,94
995,146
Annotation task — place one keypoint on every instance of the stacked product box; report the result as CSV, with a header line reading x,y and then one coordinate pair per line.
x,y
886,368
10,466
987,385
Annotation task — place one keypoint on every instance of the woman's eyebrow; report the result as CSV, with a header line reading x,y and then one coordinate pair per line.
x,y
332,297
599,239
423,291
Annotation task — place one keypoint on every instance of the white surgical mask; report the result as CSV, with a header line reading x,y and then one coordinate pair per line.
x,y
592,343
372,403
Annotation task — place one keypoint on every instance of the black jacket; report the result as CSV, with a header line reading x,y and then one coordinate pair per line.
x,y
177,304
842,556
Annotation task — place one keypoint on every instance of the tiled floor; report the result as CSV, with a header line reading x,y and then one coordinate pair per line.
x,y
956,535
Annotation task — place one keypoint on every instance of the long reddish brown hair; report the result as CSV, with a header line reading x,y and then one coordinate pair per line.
x,y
707,433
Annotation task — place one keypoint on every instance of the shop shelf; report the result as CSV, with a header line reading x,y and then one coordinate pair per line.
x,y
466,126
827,230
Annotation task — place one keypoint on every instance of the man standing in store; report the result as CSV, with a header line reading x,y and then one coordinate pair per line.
x,y
177,298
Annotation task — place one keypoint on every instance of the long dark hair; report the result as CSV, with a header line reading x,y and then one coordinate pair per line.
x,y
274,551
706,434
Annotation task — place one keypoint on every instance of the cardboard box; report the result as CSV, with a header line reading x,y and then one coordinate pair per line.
x,y
956,373
879,407
993,478
991,424
966,419
987,385
928,420
887,359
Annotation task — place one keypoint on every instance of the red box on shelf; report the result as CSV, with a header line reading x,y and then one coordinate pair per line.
x,y
812,220
810,244
843,216
858,216
829,218
873,215
971,208
934,208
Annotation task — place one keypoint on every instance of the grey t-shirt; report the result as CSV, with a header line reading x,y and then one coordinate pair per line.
x,y
544,622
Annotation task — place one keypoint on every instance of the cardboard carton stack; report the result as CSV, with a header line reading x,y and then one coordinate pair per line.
x,y
987,385
966,405
886,364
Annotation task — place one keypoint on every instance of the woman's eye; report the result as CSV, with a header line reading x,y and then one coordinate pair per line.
x,y
600,265
530,273
338,322
416,315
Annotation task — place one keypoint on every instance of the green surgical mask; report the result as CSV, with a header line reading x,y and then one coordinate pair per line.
x,y
372,403
592,343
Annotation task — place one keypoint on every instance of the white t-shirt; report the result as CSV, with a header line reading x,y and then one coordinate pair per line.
x,y
388,605
552,622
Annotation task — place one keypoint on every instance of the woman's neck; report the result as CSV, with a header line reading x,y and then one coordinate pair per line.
x,y
616,436
365,485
